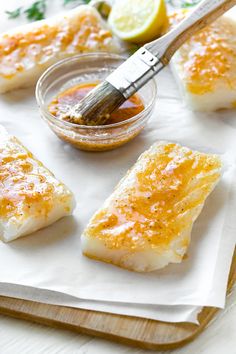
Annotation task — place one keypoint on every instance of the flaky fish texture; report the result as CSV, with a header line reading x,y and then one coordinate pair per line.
x,y
30,196
146,223
28,50
205,66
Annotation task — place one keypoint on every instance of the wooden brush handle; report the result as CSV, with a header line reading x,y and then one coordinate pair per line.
x,y
204,14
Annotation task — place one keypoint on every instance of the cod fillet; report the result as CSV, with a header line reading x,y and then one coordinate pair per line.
x,y
146,223
30,196
205,66
25,52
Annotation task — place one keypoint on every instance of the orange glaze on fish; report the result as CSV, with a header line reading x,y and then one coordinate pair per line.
x,y
26,186
37,44
209,55
157,200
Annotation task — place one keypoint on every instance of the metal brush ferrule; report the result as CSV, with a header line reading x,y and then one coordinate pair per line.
x,y
135,72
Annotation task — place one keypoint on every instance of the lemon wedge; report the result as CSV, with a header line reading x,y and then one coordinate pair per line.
x,y
138,21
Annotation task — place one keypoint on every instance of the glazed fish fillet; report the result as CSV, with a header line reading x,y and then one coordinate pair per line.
x,y
205,67
30,196
27,51
146,223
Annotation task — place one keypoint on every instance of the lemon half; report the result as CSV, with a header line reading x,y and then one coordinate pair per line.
x,y
138,21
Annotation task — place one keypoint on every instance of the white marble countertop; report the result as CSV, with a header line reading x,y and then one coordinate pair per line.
x,y
17,336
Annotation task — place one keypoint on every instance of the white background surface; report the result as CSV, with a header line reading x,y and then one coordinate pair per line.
x,y
21,337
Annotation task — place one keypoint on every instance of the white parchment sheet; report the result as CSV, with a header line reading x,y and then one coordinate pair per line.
x,y
48,266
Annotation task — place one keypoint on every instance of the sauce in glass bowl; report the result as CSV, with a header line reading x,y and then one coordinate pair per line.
x,y
62,103
66,82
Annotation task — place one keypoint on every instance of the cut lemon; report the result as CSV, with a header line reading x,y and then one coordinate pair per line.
x,y
138,21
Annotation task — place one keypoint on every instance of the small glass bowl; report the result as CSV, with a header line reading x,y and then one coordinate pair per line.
x,y
89,68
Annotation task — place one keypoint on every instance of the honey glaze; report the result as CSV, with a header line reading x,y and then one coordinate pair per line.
x,y
68,98
27,188
78,33
158,200
209,57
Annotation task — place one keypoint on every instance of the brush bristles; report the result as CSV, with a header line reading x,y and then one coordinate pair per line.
x,y
96,107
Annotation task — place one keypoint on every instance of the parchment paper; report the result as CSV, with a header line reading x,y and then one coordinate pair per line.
x,y
48,265
51,259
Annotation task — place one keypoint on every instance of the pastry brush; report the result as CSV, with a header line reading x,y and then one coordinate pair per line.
x,y
144,64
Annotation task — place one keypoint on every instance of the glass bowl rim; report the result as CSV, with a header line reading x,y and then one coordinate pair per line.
x,y
62,62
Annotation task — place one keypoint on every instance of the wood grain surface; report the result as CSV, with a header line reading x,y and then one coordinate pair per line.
x,y
135,331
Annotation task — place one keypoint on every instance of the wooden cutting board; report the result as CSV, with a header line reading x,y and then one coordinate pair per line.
x,y
147,334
